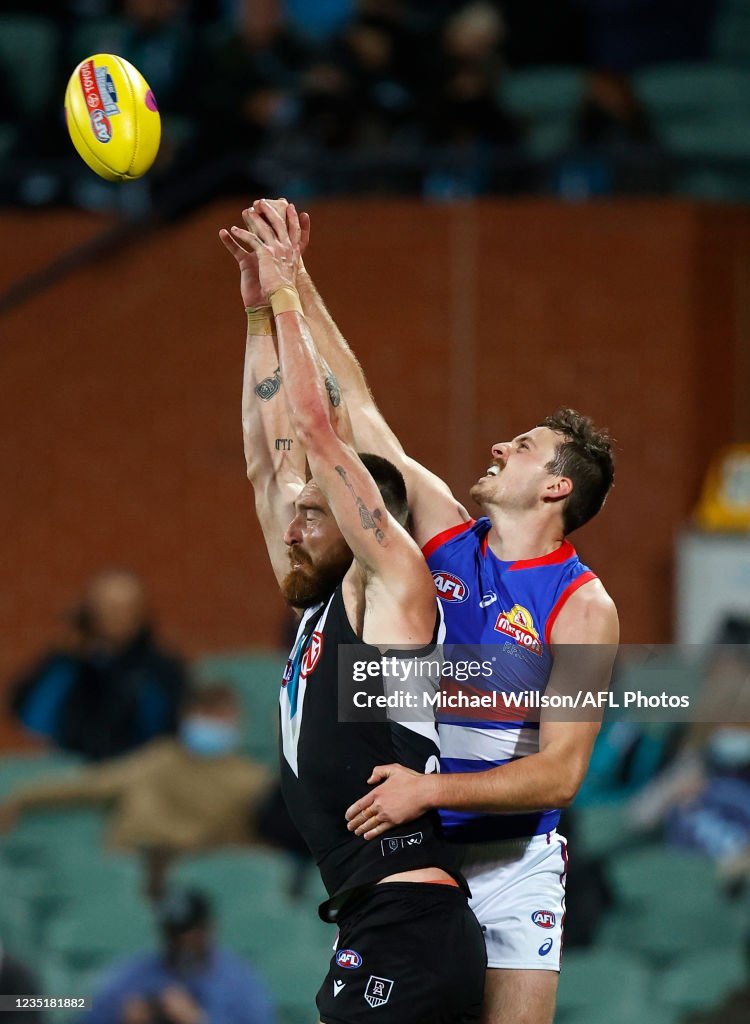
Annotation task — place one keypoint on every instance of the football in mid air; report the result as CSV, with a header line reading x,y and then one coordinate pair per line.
x,y
112,117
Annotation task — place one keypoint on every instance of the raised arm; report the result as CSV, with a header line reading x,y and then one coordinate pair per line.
x,y
383,550
433,507
274,459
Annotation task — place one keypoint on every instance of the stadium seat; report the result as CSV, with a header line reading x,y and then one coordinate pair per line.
x,y
652,875
240,875
93,933
731,35
671,89
256,678
546,101
597,979
52,837
702,980
96,35
29,55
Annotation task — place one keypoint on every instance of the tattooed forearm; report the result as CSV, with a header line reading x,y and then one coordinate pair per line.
x,y
269,387
369,520
284,444
334,391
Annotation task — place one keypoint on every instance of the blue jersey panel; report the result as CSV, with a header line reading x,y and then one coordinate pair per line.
x,y
511,606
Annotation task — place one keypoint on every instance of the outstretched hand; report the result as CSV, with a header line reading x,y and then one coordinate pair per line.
x,y
250,289
274,237
402,795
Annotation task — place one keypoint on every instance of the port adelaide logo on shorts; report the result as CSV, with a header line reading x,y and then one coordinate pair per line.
x,y
544,918
378,991
449,587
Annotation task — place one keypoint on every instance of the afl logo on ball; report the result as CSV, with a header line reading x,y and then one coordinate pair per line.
x,y
312,655
450,587
100,125
544,918
349,959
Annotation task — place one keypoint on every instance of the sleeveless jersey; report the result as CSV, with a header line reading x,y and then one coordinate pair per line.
x,y
325,764
512,604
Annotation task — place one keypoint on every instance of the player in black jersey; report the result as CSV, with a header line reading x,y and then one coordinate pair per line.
x,y
408,946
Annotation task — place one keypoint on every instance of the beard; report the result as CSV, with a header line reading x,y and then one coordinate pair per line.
x,y
308,583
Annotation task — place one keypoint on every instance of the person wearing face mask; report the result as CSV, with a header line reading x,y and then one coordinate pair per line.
x,y
190,979
174,795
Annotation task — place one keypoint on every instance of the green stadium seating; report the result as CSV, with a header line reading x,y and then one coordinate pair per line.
x,y
91,934
598,979
731,36
256,678
702,980
29,55
97,35
678,89
546,101
600,828
654,874
238,875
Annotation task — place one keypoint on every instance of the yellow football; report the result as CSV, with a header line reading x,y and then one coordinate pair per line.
x,y
112,117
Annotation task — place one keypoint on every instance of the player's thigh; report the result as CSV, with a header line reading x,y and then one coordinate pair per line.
x,y
519,997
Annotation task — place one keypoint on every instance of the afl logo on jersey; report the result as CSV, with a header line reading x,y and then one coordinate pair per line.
x,y
519,625
450,587
544,918
312,655
349,959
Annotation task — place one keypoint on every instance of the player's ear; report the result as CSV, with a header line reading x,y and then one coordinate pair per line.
x,y
557,488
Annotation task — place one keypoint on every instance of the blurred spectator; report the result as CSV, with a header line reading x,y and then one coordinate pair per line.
x,y
173,795
702,798
248,96
190,980
462,105
159,43
17,980
109,688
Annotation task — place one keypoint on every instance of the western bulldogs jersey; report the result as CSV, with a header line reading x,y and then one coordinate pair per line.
x,y
514,605
325,764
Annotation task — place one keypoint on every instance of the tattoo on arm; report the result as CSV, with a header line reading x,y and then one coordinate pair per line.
x,y
269,387
369,520
334,391
284,444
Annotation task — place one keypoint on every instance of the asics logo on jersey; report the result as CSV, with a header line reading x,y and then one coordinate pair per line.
x,y
450,587
519,625
487,600
545,947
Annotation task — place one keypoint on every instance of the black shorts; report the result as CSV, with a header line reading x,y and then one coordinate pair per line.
x,y
407,953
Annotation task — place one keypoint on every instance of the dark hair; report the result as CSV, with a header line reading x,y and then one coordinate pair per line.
x,y
585,456
390,483
181,909
211,695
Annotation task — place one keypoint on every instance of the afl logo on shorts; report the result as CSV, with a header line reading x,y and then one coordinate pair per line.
x,y
544,918
450,587
349,959
312,655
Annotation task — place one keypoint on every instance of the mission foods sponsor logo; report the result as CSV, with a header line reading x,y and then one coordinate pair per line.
x,y
518,624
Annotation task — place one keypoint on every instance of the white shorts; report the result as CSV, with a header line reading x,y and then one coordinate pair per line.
x,y
518,896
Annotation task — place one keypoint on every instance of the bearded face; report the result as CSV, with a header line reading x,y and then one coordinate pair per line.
x,y
319,557
310,581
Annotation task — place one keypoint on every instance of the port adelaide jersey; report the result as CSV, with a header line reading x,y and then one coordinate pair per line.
x,y
508,608
325,763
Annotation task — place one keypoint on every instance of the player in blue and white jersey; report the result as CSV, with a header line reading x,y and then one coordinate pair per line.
x,y
511,579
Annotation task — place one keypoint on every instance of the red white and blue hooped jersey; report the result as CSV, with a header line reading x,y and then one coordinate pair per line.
x,y
511,606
